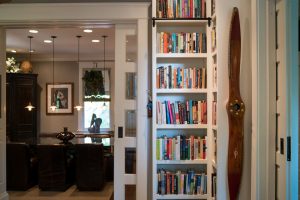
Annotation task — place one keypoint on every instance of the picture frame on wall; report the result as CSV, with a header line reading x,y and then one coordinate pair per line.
x,y
60,95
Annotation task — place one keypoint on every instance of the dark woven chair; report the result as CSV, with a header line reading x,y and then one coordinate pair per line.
x,y
90,167
56,167
21,166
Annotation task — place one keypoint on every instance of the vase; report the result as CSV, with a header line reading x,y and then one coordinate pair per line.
x,y
65,136
26,66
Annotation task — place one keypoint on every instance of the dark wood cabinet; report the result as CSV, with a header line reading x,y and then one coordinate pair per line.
x,y
21,124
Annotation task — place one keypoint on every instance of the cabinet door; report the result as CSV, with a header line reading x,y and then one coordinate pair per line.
x,y
22,122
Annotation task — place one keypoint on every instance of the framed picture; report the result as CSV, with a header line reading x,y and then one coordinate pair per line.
x,y
59,95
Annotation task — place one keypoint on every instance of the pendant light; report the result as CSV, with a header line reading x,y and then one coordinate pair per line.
x,y
78,107
26,65
53,105
29,106
104,38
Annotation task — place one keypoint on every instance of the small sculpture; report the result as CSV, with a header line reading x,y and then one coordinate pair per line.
x,y
65,136
95,124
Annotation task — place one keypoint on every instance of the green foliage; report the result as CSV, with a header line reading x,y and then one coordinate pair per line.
x,y
93,83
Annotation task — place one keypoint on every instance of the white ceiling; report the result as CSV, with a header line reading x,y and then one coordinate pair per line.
x,y
66,43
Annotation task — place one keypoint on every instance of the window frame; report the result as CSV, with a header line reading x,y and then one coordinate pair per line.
x,y
83,66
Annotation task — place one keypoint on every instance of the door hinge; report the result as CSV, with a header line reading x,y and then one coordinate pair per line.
x,y
288,148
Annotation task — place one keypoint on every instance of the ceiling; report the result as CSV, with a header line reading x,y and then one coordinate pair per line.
x,y
65,45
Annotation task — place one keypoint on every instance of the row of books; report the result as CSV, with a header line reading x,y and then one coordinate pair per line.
x,y
182,42
181,148
189,182
181,8
214,112
188,112
180,77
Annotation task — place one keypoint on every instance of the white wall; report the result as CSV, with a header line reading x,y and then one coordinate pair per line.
x,y
3,194
224,12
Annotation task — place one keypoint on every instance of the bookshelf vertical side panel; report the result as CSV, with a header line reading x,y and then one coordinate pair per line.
x,y
209,106
154,99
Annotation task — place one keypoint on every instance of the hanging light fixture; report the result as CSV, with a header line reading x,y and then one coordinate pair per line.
x,y
78,107
53,105
104,38
29,106
26,65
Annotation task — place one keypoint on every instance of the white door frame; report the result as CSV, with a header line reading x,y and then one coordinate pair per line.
x,y
59,14
263,116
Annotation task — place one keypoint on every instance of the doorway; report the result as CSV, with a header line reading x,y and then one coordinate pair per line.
x,y
98,14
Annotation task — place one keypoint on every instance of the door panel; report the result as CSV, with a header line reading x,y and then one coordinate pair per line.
x,y
281,178
125,112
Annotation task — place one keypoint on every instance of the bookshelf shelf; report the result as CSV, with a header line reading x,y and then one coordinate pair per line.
x,y
181,126
181,196
181,55
181,162
215,127
181,91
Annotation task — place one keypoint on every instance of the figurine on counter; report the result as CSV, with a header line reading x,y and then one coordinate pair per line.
x,y
95,124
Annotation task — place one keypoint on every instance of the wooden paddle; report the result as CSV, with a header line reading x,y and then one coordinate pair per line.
x,y
235,110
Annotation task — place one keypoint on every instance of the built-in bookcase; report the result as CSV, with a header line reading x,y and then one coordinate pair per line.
x,y
184,85
214,92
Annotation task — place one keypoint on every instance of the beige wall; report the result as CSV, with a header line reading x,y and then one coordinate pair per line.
x,y
224,12
64,72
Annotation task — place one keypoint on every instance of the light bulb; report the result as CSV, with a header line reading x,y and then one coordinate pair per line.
x,y
78,108
29,107
53,108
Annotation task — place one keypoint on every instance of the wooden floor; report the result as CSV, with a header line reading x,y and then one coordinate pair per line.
x,y
71,194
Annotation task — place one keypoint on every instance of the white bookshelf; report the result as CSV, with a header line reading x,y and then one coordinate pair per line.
x,y
207,130
214,95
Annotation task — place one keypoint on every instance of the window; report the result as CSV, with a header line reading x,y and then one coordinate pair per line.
x,y
95,106
100,110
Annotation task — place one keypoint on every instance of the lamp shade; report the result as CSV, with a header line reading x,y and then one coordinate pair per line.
x,y
26,66
29,106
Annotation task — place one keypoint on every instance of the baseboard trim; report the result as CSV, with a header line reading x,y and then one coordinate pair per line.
x,y
3,196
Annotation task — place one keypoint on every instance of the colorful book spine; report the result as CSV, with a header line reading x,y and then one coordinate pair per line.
x,y
169,77
181,148
182,42
188,112
178,182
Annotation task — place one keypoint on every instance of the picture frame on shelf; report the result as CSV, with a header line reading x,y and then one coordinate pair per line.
x,y
60,95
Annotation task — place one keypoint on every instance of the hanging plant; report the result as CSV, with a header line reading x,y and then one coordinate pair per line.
x,y
94,85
